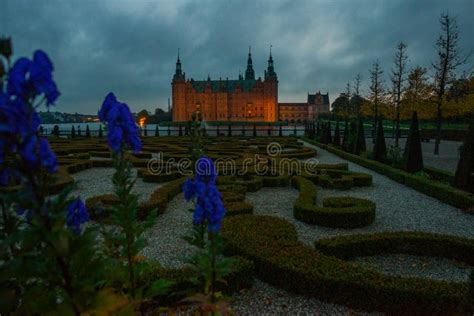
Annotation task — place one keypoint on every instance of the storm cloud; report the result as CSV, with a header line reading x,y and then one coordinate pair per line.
x,y
130,47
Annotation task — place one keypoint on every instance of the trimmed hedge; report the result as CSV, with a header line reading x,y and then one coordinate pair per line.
x,y
282,261
238,208
443,192
276,181
336,212
101,204
159,177
413,243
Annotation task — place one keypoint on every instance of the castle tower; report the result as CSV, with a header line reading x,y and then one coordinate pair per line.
x,y
179,93
270,87
249,73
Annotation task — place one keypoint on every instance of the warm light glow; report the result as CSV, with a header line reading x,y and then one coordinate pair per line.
x,y
141,122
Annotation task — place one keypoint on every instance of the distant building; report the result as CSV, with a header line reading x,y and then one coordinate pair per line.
x,y
245,99
299,112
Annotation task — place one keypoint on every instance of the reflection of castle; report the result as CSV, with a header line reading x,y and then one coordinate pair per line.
x,y
245,99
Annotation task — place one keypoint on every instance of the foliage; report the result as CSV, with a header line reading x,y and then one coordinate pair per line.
x,y
209,212
88,132
380,149
395,156
337,136
435,189
124,240
272,243
336,212
43,242
464,177
418,95
345,137
413,156
359,144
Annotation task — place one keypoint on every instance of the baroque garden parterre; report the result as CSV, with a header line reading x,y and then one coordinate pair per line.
x,y
268,247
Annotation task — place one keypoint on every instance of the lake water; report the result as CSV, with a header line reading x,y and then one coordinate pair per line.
x,y
65,129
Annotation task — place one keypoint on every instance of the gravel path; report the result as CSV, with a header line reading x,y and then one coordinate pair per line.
x,y
399,208
97,181
165,242
415,266
263,299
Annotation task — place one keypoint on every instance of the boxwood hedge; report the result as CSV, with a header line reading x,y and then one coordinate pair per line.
x,y
282,261
336,212
438,190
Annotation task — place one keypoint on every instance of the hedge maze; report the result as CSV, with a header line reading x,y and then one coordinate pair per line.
x,y
268,247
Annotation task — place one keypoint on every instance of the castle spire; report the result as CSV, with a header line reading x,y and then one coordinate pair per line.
x,y
249,73
270,74
178,75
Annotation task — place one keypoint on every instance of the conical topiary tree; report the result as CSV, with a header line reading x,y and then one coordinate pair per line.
x,y
145,133
464,177
73,132
254,131
180,132
79,130
345,137
295,131
218,131
229,131
169,130
328,133
157,131
380,148
101,133
88,132
360,139
352,140
413,156
243,130
280,131
318,131
269,131
56,131
187,129
336,141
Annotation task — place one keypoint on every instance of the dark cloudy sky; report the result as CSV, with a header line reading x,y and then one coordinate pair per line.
x,y
130,47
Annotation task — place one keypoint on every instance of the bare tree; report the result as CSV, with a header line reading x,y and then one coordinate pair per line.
x,y
376,91
348,90
356,100
449,59
398,79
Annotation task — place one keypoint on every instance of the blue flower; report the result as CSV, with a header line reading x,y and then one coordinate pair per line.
x,y
209,206
76,216
122,129
47,156
29,78
205,170
17,77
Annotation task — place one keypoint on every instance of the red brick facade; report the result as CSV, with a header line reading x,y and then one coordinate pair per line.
x,y
246,99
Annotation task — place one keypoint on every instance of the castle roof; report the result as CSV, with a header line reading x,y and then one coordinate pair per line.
x,y
292,104
312,98
228,86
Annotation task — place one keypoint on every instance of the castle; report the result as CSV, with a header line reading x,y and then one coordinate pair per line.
x,y
246,99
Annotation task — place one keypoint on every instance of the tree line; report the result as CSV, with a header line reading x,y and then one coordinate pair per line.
x,y
436,93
